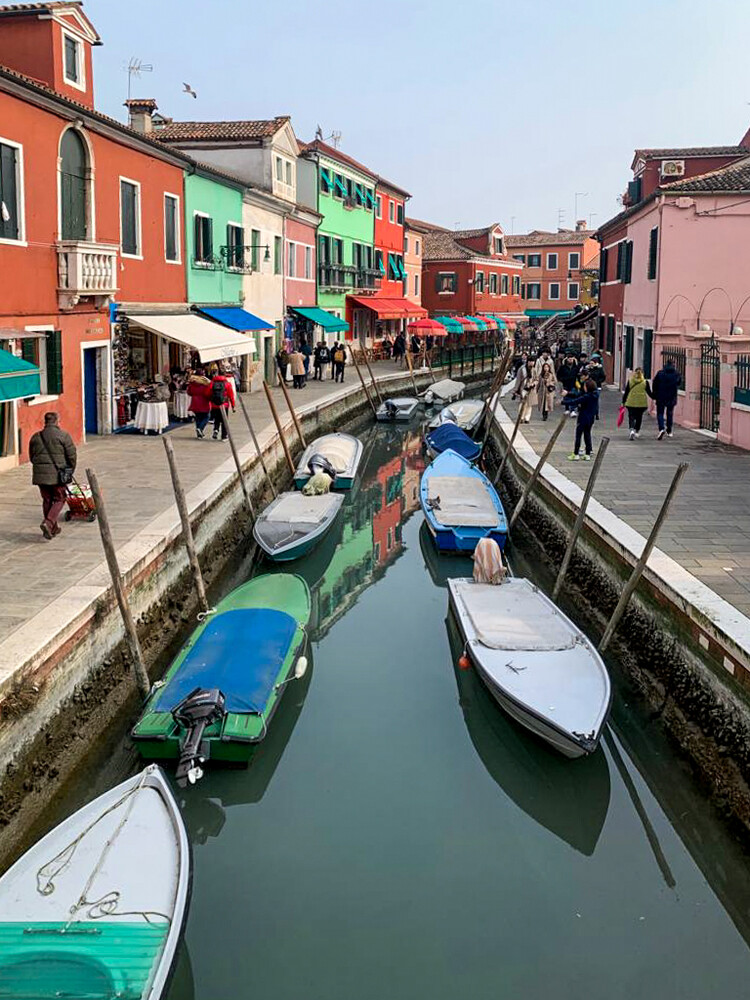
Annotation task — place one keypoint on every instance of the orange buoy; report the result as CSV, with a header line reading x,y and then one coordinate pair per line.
x,y
464,663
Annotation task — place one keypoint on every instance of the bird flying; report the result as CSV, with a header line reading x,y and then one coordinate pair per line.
x,y
189,90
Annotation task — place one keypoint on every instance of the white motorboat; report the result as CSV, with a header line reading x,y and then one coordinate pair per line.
x,y
536,663
293,524
442,392
399,408
337,454
464,413
97,907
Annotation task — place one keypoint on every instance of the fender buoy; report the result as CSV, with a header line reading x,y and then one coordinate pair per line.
x,y
464,663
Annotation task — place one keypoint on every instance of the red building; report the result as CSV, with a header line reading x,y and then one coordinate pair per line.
x,y
84,221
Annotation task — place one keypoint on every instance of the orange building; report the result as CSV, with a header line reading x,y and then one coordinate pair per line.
x,y
414,233
553,262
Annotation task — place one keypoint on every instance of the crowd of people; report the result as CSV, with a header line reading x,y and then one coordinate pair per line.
x,y
297,363
212,391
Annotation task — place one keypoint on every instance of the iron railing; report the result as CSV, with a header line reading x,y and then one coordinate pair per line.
x,y
742,386
678,357
346,276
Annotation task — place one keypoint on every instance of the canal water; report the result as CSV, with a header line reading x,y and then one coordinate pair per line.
x,y
397,837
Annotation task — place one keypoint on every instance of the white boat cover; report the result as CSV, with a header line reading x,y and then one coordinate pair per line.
x,y
463,412
514,616
446,388
298,507
464,502
339,450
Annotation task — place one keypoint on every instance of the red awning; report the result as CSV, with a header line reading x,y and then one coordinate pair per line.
x,y
429,327
387,308
468,324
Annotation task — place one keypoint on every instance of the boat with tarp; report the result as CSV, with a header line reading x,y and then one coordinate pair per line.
x,y
293,524
464,413
338,455
442,392
460,504
448,436
400,408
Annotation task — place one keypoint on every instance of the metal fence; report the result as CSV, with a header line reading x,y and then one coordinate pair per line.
x,y
742,385
678,357
464,360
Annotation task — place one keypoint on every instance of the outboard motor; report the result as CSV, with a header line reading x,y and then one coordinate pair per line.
x,y
391,409
197,710
319,463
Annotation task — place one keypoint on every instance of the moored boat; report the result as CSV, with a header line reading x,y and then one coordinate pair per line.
x,y
293,524
219,696
460,504
448,436
398,408
464,413
442,392
97,907
535,662
337,454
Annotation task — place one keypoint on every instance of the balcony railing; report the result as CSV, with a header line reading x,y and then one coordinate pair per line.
x,y
85,270
240,259
208,262
345,276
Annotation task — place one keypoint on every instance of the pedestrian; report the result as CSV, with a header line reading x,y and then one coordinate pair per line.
x,y
547,384
635,398
221,395
543,359
306,352
339,361
583,364
664,391
588,412
521,373
399,348
529,395
297,364
53,460
199,390
282,360
567,374
596,370
387,346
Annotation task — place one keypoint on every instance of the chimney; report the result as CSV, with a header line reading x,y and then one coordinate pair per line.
x,y
580,225
140,114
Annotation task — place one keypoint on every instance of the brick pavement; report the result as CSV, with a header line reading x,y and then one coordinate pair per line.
x,y
708,528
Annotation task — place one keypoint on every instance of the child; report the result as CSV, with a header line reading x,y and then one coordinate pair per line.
x,y
588,411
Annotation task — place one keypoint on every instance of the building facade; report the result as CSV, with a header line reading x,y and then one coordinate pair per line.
x,y
414,234
553,265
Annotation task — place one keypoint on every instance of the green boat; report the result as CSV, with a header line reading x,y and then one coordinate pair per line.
x,y
218,697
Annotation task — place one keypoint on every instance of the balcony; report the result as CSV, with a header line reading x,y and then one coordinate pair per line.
x,y
344,277
85,271
368,278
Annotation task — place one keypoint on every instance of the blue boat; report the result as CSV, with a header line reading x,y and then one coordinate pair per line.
x,y
460,505
449,436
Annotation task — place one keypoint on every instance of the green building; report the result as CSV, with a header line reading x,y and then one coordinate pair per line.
x,y
214,239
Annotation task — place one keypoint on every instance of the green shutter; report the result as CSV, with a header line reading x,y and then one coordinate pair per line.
x,y
653,243
28,350
54,363
629,335
8,194
648,348
628,262
611,334
127,219
603,260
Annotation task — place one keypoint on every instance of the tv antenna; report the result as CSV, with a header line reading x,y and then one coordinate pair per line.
x,y
579,194
560,218
334,137
134,68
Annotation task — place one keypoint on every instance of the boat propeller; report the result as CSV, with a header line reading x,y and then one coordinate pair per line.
x,y
200,708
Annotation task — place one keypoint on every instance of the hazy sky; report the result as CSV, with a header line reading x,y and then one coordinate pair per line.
x,y
485,110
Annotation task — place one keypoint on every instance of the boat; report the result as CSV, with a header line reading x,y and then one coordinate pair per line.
x,y
464,413
337,454
460,504
293,524
399,408
448,436
442,392
97,907
218,697
535,662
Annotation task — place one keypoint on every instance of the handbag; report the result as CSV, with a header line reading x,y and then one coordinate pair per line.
x,y
64,474
621,416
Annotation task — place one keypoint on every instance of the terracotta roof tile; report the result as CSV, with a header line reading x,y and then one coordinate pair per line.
x,y
441,245
425,227
687,151
318,146
538,238
200,131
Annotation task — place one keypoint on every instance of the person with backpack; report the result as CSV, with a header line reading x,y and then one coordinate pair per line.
x,y
282,360
339,361
222,396
664,390
199,390
588,412
321,360
53,461
635,398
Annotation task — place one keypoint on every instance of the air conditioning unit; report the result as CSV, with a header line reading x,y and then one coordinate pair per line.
x,y
672,168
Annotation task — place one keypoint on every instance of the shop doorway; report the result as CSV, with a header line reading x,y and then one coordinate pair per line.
x,y
90,395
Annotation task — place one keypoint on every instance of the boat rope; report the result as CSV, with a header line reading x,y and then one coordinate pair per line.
x,y
202,615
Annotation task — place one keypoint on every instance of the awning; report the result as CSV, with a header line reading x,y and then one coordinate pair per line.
x,y
479,322
18,378
237,319
210,340
329,322
468,323
452,324
387,308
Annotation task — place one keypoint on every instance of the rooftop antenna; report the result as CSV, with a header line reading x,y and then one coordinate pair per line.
x,y
579,194
560,218
334,137
592,215
134,69
512,224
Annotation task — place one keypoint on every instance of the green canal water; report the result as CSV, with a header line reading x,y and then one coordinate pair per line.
x,y
397,837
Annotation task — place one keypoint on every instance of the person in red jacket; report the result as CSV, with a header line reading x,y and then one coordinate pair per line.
x,y
199,390
222,396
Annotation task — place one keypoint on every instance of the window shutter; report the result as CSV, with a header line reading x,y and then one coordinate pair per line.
x,y
54,363
602,331
652,248
628,262
8,194
611,334
648,347
209,248
28,350
619,261
197,238
603,266
629,347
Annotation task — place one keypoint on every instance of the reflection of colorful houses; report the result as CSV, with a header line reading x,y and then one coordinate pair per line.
x,y
386,524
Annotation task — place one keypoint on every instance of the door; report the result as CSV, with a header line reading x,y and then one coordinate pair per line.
x,y
72,187
710,372
90,393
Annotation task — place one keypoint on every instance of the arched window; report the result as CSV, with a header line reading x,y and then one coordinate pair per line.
x,y
73,182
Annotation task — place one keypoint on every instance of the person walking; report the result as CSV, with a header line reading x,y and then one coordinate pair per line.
x,y
529,396
567,373
596,370
221,397
588,411
543,359
297,364
53,460
664,391
306,352
339,361
635,398
199,390
282,360
399,348
547,384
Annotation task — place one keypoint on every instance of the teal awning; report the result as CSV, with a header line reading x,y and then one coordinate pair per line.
x,y
18,378
400,265
547,312
370,198
326,177
340,185
360,192
451,324
381,265
330,323
480,323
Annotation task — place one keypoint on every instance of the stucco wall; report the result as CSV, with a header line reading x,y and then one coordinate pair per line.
x,y
224,204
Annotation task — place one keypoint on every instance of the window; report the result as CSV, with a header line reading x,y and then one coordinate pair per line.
x,y
602,332
479,282
653,245
203,238
130,218
359,194
277,255
520,256
73,170
324,244
73,61
493,284
534,260
339,188
416,285
533,291
516,284
235,246
379,261
629,332
255,249
603,261
523,290
379,209
446,282
610,334
357,255
416,248
498,244
337,250
172,228
308,263
504,284
554,290
406,243
46,353
11,191
325,181
400,214
394,271
574,260
628,262
573,290
291,259
279,169
288,166
551,261
391,210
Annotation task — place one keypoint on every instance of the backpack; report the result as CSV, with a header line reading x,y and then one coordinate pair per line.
x,y
324,357
218,392
339,356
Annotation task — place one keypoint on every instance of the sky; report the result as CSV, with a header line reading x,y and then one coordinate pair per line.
x,y
485,110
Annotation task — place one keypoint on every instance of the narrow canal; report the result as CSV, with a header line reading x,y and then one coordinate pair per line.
x,y
398,837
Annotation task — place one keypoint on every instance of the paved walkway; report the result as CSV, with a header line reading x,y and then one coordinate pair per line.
x,y
708,528
134,476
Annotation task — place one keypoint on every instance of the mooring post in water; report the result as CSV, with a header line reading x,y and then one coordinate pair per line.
x,y
372,375
279,428
580,517
511,442
255,442
362,379
641,564
237,463
122,598
293,412
187,529
535,474
411,369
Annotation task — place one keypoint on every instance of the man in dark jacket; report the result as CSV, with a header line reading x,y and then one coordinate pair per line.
x,y
664,391
51,450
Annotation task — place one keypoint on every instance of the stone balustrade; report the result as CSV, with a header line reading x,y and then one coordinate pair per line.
x,y
85,270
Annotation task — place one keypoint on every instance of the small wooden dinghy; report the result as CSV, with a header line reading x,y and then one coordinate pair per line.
x,y
293,524
220,694
96,908
442,392
399,408
337,454
448,436
460,504
464,413
536,663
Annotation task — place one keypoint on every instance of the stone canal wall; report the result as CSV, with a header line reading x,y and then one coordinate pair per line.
x,y
686,649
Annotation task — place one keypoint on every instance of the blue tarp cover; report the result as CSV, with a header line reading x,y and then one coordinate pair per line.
x,y
449,436
237,319
241,652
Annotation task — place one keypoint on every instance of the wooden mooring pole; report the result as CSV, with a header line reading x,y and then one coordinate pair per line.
x,y
372,376
253,435
535,474
497,384
187,529
580,517
411,369
511,442
279,428
237,462
641,564
362,380
139,667
293,412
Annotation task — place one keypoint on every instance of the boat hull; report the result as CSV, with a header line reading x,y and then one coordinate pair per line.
x,y
345,476
463,540
305,543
